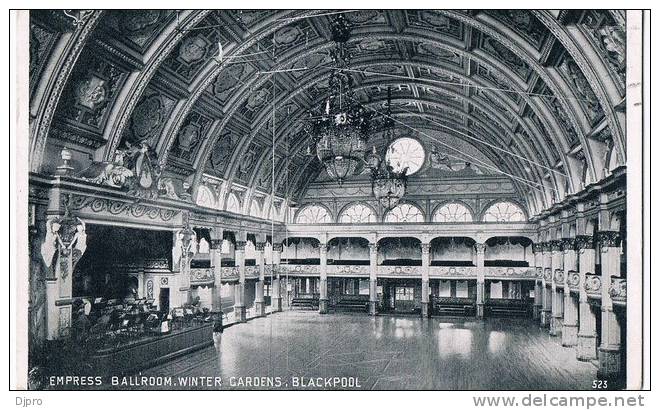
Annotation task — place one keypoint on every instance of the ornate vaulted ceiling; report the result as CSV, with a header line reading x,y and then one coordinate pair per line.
x,y
539,93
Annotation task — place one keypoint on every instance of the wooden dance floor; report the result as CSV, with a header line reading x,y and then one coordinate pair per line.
x,y
387,352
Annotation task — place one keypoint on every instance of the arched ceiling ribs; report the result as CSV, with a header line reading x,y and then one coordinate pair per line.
x,y
208,75
600,82
265,117
265,114
523,50
55,81
255,83
134,88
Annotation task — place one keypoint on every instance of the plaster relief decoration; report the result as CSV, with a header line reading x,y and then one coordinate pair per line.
x,y
506,55
362,17
148,118
191,134
610,40
94,85
587,97
435,21
524,23
134,169
228,79
221,153
42,40
63,246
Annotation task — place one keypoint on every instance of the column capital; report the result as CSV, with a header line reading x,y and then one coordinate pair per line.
x,y
323,248
559,276
584,242
480,247
215,244
609,239
537,247
568,244
426,247
278,247
240,245
259,246
555,245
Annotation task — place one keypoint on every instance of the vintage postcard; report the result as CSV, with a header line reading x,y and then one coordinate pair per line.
x,y
330,199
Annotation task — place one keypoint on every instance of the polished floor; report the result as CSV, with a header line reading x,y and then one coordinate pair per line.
x,y
385,352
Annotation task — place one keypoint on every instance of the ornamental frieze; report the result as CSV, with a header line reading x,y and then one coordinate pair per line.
x,y
521,272
453,271
121,209
348,269
200,277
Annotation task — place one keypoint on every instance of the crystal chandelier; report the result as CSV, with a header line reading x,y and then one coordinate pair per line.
x,y
341,130
388,186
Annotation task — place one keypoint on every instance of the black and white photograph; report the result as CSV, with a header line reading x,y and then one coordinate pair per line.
x,y
330,199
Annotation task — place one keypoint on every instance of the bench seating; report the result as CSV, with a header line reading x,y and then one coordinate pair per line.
x,y
453,306
305,303
507,307
352,303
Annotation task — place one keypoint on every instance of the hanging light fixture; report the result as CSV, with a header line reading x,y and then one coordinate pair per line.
x,y
341,130
388,186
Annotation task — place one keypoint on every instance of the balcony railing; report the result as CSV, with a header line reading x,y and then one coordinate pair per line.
x,y
573,281
348,270
453,271
302,270
201,276
400,271
619,290
510,272
592,285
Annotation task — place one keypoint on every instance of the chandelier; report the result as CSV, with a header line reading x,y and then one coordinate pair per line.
x,y
388,185
340,131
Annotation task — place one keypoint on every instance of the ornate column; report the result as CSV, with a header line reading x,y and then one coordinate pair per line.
x,y
373,278
239,295
63,246
185,246
426,262
570,327
323,283
546,309
480,249
276,293
586,347
538,285
259,304
215,247
556,320
609,354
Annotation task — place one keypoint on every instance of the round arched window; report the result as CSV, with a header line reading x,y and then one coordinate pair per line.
x,y
313,214
504,212
406,153
451,213
357,214
403,213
